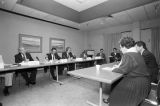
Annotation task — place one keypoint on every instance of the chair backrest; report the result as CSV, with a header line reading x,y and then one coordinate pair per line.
x,y
158,92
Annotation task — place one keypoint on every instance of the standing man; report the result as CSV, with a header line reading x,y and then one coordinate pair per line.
x,y
24,56
53,56
149,59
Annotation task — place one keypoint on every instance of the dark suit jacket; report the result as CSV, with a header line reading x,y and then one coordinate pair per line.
x,y
56,56
19,58
102,56
64,55
116,57
151,63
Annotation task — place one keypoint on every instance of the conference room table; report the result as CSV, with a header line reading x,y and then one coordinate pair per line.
x,y
102,76
8,68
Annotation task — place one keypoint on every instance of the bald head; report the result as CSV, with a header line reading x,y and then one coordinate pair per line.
x,y
21,50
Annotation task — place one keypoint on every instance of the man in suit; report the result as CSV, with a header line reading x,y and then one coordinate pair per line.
x,y
102,55
149,59
53,56
115,56
68,55
24,56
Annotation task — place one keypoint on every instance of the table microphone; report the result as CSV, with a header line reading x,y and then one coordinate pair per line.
x,y
37,58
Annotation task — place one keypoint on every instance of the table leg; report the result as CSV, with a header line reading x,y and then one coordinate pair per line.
x,y
57,76
100,97
100,94
76,77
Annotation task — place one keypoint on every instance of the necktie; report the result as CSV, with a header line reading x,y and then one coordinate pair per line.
x,y
52,56
24,57
68,55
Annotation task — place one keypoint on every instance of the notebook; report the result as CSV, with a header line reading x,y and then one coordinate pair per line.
x,y
1,62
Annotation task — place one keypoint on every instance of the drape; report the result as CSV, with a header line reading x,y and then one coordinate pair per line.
x,y
110,42
155,43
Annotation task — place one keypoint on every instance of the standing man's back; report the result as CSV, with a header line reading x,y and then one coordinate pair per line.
x,y
149,59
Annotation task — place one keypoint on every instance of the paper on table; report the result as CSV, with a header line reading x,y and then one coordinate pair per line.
x,y
107,68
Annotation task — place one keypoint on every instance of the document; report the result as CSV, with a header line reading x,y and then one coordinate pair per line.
x,y
107,68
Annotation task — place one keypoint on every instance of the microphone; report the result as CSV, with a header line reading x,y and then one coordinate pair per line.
x,y
37,58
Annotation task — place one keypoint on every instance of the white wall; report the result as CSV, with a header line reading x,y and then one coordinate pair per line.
x,y
96,37
12,25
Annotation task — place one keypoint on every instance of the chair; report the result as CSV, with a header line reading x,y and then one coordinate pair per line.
x,y
153,98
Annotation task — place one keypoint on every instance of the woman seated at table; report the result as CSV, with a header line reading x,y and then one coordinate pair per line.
x,y
84,54
135,85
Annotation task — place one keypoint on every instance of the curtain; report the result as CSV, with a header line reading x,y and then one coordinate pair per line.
x,y
127,34
110,42
155,43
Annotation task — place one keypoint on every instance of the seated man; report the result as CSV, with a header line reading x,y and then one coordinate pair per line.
x,y
68,55
24,56
115,56
8,80
102,55
53,56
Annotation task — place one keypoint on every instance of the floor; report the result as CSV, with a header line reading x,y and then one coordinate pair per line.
x,y
46,92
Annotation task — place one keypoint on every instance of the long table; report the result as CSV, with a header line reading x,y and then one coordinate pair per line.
x,y
103,76
14,68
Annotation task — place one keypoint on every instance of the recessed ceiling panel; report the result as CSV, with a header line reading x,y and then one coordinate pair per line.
x,y
151,11
138,14
122,17
110,7
53,8
7,4
80,5
22,10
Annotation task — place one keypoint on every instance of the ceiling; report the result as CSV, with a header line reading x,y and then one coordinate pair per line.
x,y
87,15
80,5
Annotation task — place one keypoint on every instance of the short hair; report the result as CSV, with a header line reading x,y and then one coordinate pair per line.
x,y
67,48
114,48
101,49
127,42
53,48
141,43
